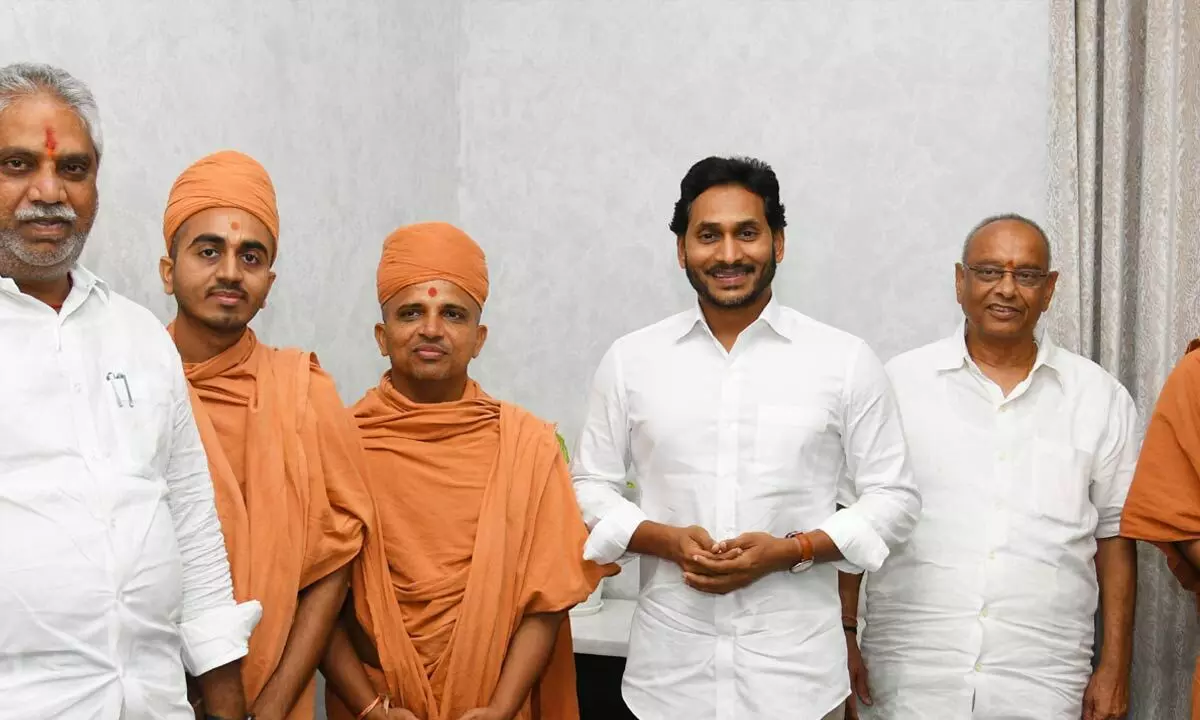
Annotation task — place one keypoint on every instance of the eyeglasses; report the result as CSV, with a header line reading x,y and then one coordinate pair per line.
x,y
1024,277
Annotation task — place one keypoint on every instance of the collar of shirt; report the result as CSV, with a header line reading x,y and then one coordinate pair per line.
x,y
83,283
771,316
952,354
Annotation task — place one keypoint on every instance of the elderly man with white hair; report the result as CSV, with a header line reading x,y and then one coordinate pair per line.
x,y
114,579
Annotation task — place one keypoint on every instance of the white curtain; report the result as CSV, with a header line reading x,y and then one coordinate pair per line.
x,y
1124,203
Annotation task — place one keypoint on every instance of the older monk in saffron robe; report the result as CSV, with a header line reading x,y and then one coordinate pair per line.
x,y
480,527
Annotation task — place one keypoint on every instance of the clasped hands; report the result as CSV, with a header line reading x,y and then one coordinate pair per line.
x,y
721,567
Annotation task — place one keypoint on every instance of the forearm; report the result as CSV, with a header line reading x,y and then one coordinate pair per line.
x,y
315,617
344,672
653,538
848,588
222,691
528,654
1116,572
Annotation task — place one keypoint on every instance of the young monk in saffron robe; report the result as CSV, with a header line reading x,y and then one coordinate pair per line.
x,y
286,463
483,537
1163,505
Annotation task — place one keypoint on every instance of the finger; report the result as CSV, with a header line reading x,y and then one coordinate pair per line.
x,y
708,584
860,687
718,585
702,538
716,566
851,709
1089,711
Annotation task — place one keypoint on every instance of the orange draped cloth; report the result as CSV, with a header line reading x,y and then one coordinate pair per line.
x,y
287,471
480,527
1163,505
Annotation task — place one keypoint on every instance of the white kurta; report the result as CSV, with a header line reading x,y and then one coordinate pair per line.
x,y
755,439
991,604
113,572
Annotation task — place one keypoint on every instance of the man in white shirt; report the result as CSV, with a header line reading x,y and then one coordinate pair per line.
x,y
113,572
1023,452
738,417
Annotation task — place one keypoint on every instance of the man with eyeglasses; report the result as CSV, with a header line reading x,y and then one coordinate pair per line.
x,y
1023,452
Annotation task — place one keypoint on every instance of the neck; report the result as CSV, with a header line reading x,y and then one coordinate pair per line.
x,y
197,343
727,323
429,392
1004,354
52,292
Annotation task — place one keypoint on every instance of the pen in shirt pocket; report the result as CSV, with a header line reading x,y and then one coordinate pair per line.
x,y
119,383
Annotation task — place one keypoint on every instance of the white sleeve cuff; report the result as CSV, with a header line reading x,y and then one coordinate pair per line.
x,y
610,537
862,548
1108,528
218,637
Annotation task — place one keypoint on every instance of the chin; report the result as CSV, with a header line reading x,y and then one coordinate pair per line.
x,y
225,324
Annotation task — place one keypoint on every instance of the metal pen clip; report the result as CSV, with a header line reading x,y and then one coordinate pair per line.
x,y
112,378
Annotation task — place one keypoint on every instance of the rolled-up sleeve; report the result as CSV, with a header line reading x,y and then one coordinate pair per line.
x,y
883,503
1115,463
600,464
214,629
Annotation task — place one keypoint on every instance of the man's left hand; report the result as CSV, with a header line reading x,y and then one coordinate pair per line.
x,y
741,561
484,714
1107,695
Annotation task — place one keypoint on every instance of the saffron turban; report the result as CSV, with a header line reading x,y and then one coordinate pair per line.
x,y
227,179
431,251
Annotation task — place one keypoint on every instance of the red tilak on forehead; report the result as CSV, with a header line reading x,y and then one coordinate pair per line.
x,y
432,292
51,142
235,225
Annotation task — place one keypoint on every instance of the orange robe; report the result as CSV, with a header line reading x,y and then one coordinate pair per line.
x,y
481,527
1163,506
287,471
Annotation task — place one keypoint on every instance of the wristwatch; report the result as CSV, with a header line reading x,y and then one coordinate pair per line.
x,y
806,551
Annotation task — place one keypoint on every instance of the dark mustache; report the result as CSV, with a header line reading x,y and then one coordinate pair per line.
x,y
226,288
725,268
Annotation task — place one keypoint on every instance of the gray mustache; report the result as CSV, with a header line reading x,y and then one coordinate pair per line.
x,y
42,211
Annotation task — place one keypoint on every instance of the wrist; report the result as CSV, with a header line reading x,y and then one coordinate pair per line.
x,y
786,552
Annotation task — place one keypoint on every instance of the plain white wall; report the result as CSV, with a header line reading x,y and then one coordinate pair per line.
x,y
893,128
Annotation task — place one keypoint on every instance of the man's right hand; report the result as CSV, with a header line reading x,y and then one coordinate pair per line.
x,y
858,678
689,543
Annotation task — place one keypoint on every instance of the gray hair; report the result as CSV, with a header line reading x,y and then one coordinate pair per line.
x,y
25,79
1015,217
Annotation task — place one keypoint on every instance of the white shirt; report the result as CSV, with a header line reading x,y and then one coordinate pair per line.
x,y
992,601
755,439
113,572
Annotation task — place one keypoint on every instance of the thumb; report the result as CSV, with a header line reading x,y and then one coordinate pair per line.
x,y
860,687
702,538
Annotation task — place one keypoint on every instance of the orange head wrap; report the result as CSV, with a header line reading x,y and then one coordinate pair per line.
x,y
226,179
431,251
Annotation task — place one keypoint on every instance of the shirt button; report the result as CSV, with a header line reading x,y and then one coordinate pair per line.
x,y
983,612
978,667
1002,457
992,555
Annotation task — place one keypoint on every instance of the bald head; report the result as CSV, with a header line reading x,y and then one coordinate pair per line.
x,y
992,222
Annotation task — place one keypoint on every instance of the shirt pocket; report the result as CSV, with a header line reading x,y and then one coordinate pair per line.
x,y
785,436
140,422
1061,476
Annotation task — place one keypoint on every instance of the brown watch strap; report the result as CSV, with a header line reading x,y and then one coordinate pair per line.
x,y
806,547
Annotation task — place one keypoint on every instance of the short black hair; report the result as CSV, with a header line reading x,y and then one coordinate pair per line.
x,y
1015,217
749,173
